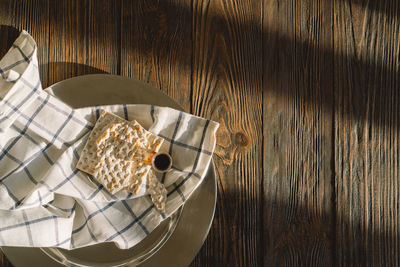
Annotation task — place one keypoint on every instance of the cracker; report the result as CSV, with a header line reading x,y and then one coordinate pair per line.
x,y
118,153
157,192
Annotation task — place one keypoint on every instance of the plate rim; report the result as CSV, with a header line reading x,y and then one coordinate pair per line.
x,y
211,168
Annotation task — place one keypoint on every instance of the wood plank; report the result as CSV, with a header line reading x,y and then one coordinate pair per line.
x,y
227,87
367,132
82,39
298,228
67,40
156,45
103,36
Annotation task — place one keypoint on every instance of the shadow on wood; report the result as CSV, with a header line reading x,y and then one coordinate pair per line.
x,y
8,34
363,87
297,245
373,79
70,70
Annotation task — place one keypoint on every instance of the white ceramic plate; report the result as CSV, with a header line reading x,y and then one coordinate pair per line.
x,y
176,241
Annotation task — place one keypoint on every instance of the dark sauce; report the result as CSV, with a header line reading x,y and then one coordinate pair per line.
x,y
162,162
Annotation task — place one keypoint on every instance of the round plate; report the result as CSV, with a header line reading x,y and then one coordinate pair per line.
x,y
185,238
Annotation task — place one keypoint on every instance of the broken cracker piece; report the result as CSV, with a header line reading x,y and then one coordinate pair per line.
x,y
158,192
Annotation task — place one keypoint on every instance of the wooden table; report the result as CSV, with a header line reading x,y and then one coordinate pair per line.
x,y
307,94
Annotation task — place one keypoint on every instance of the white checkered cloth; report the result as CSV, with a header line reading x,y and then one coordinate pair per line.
x,y
44,200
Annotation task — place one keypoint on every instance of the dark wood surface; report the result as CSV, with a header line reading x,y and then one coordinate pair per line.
x,y
307,95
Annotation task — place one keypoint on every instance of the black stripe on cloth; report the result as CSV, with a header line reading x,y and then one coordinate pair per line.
x,y
56,230
112,225
152,112
92,215
125,111
28,228
97,112
131,224
18,106
8,148
26,223
186,146
22,53
63,142
135,217
196,160
178,122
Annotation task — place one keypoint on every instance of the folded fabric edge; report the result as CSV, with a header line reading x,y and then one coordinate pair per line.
x,y
18,68
22,40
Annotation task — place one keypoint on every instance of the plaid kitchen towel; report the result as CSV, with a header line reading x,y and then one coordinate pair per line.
x,y
44,200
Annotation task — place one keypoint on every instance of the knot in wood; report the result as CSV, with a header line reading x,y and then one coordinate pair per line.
x,y
223,136
241,139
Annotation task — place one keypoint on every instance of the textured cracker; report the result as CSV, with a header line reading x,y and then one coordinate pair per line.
x,y
118,153
157,192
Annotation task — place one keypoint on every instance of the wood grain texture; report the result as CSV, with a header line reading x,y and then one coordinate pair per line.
x,y
156,45
298,224
307,96
83,40
67,51
367,132
103,36
226,82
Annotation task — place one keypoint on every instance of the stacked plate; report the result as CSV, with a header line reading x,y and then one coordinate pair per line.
x,y
176,241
